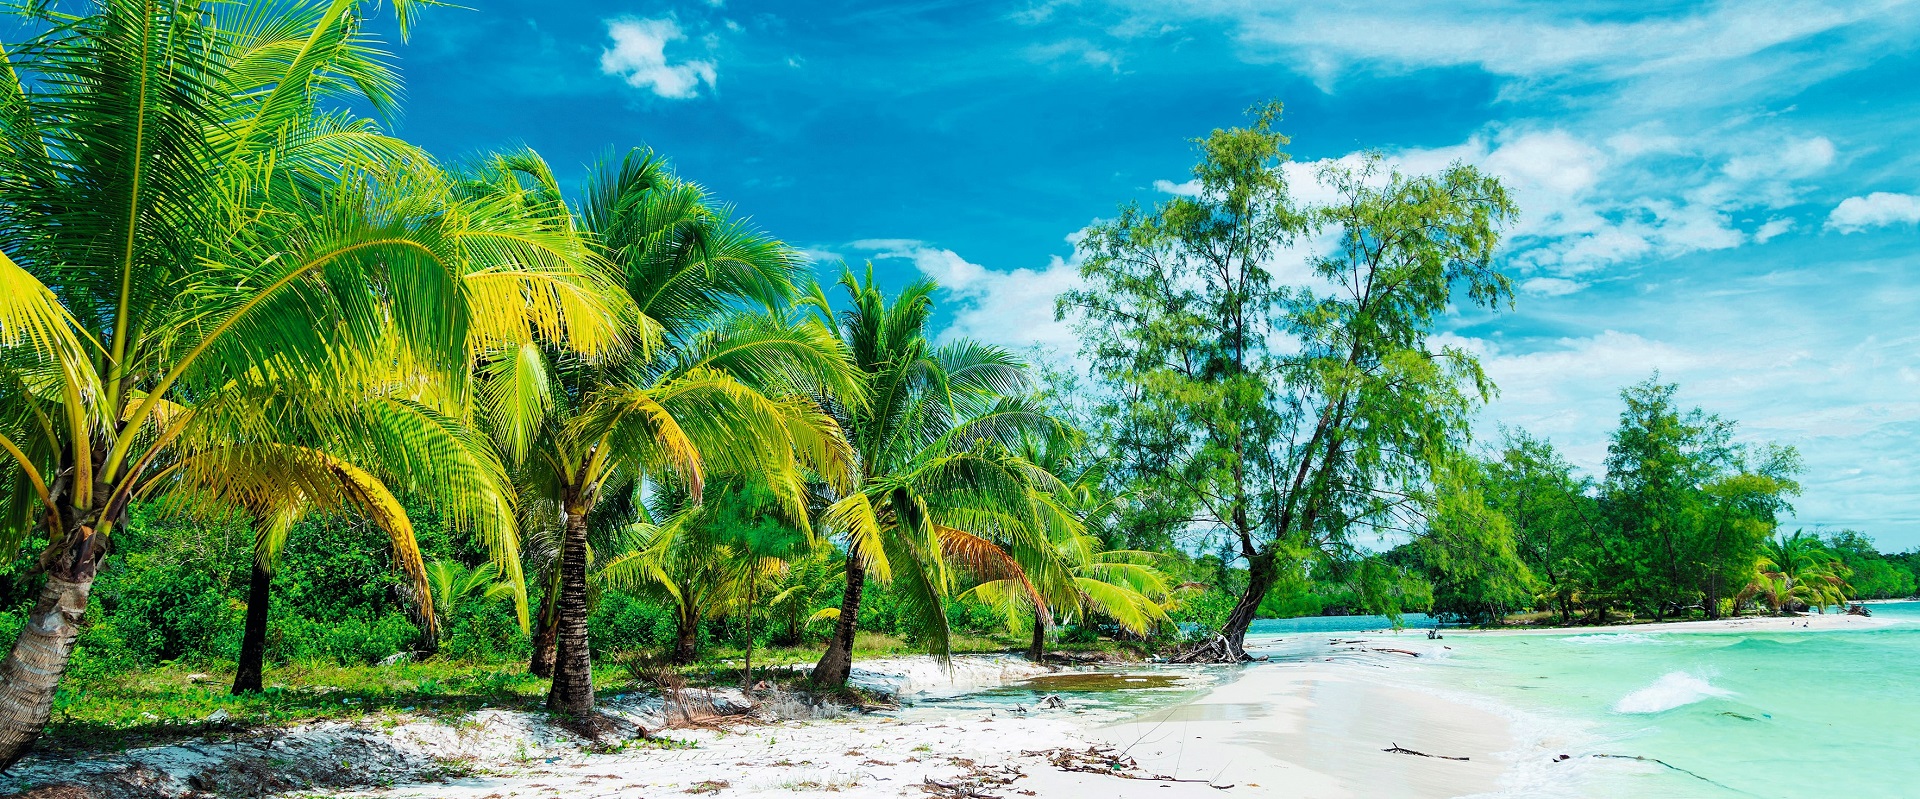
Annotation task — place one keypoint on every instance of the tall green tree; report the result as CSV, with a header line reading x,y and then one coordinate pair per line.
x,y
713,379
1549,508
1284,417
185,228
1687,508
1469,549
936,484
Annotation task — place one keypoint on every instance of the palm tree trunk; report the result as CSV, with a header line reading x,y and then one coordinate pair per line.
x,y
546,628
31,673
1038,649
572,691
686,635
837,662
746,671
253,638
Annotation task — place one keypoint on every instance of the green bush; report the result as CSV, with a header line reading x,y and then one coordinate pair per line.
x,y
622,622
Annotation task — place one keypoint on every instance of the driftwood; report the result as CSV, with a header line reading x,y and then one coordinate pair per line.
x,y
1395,651
1214,650
1658,761
1401,750
972,784
1104,760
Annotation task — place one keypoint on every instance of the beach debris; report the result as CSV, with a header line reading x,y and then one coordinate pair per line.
x,y
1052,702
1105,760
973,783
1401,750
1394,651
709,786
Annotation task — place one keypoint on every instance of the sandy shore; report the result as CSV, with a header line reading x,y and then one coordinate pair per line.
x,y
1303,729
1314,731
1313,723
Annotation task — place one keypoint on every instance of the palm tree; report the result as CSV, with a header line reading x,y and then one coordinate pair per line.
x,y
451,581
1798,569
706,387
936,483
345,446
1080,577
710,560
183,229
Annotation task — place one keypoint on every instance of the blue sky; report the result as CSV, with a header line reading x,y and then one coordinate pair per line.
x,y
1724,192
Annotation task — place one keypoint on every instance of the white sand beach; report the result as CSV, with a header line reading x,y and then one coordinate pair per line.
x,y
1316,724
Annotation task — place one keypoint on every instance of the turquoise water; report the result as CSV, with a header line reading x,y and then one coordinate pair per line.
x,y
1828,713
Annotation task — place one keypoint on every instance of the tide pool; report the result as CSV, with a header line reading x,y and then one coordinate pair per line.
x,y
1730,712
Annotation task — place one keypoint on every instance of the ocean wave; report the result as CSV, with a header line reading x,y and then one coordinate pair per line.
x,y
1673,689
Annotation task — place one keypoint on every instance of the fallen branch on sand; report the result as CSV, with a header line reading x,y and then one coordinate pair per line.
x,y
1104,760
1401,750
1395,651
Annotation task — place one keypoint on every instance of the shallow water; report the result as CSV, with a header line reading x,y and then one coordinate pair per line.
x,y
1731,713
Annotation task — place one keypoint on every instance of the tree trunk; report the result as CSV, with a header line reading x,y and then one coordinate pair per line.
x,y
1261,575
31,673
253,638
686,635
1038,649
837,662
572,691
546,626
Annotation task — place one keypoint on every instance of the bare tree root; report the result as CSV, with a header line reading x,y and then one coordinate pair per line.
x,y
1215,650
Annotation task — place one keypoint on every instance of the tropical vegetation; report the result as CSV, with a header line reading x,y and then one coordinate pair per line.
x,y
283,395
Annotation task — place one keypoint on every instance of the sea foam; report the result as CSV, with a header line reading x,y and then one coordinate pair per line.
x,y
1673,689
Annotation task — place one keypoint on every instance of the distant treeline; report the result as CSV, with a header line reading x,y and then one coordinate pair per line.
x,y
1684,523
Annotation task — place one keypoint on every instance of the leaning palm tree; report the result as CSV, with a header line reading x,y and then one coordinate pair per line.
x,y
1079,577
182,227
708,386
1797,569
937,483
347,445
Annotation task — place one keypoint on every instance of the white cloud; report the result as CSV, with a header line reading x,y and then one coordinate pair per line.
x,y
1772,229
1551,286
1878,209
1724,49
1190,188
1076,50
639,56
1013,308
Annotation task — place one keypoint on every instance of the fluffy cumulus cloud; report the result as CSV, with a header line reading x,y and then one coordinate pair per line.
x,y
1013,308
639,56
1878,209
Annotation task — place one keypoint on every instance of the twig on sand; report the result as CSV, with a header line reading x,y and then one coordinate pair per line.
x,y
1104,760
1401,750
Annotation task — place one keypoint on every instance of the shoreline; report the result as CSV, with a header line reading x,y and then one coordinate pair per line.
x,y
1315,722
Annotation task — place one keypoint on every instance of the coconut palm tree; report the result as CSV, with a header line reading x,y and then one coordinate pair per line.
x,y
708,386
936,481
1797,569
181,229
708,560
1079,577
